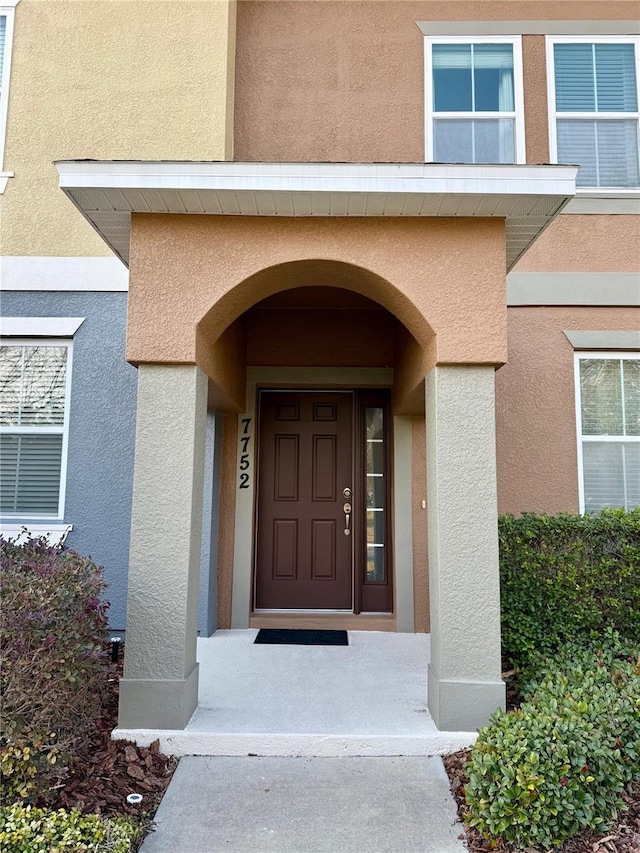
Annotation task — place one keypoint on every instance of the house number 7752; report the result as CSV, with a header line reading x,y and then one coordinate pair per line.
x,y
245,463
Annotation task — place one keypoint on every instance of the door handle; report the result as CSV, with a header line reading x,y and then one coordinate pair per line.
x,y
347,519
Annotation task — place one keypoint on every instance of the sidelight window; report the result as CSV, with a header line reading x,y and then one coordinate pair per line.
x,y
376,495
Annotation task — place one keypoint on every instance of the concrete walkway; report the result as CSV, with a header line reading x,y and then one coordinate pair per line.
x,y
307,805
365,699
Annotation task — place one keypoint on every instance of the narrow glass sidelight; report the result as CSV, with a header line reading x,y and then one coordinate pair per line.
x,y
376,495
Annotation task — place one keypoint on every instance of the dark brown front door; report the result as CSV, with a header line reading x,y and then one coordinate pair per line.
x,y
303,556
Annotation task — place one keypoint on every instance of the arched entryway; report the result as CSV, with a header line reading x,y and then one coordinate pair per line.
x,y
373,318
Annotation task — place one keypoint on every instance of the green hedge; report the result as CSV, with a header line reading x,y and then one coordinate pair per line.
x,y
567,576
556,766
26,829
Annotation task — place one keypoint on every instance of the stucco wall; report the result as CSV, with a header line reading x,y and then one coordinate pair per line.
x,y
535,406
142,79
435,275
575,243
101,430
323,80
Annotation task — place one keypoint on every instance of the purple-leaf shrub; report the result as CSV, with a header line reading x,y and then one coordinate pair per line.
x,y
52,633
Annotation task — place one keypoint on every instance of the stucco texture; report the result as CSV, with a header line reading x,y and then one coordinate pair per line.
x,y
334,81
461,506
101,430
141,80
166,523
535,406
443,279
576,243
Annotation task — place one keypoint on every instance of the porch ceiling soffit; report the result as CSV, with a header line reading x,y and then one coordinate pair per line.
x,y
108,192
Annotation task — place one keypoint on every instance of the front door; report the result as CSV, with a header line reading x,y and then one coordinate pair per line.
x,y
304,551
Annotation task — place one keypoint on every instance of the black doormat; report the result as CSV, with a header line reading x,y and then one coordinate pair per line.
x,y
301,637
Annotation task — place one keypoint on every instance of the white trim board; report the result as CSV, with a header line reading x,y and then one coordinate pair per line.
x,y
55,534
41,327
528,28
107,193
22,272
7,11
573,288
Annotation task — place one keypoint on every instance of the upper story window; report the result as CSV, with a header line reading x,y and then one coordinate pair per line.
x,y
7,9
34,419
608,419
474,101
593,101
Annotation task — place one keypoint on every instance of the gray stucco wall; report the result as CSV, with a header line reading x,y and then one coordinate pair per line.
x,y
101,429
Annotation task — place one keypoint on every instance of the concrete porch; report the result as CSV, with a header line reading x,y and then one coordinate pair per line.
x,y
367,698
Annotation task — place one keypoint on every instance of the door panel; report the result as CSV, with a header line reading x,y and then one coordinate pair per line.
x,y
303,557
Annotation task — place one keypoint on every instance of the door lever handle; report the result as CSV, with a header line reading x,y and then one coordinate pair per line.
x,y
347,519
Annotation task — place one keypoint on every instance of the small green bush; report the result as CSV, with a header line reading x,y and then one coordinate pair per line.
x,y
543,773
52,631
26,829
567,576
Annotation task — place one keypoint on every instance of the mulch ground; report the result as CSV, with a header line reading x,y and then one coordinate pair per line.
x,y
107,771
623,837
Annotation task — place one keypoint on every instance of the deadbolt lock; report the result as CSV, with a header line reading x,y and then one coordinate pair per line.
x,y
347,492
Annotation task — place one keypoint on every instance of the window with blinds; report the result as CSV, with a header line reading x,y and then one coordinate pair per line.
x,y
608,389
474,100
596,120
34,390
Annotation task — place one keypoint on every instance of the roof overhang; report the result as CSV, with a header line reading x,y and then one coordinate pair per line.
x,y
108,192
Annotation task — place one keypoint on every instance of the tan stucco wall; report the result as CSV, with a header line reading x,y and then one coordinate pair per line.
x,y
535,406
441,276
536,116
576,243
345,81
142,80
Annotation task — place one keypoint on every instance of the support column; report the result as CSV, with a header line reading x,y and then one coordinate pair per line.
x,y
160,684
465,686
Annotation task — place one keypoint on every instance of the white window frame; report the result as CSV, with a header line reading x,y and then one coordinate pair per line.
x,y
7,10
518,91
51,430
589,116
578,357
